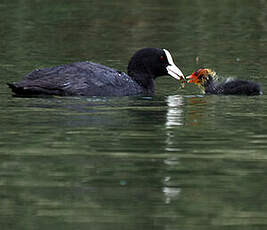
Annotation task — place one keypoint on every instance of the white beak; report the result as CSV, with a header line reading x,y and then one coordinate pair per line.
x,y
172,69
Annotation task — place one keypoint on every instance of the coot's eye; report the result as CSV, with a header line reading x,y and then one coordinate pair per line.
x,y
161,58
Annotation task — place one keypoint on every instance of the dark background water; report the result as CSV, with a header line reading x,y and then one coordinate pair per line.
x,y
178,160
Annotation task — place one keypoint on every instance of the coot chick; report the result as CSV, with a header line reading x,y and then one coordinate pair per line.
x,y
205,79
91,79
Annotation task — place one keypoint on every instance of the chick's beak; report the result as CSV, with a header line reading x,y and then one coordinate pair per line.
x,y
192,79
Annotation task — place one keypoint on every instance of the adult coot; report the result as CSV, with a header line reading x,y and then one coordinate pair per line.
x,y
91,79
205,79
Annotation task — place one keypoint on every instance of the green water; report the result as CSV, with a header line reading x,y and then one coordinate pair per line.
x,y
178,160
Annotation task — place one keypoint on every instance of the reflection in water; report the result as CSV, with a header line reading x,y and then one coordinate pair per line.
x,y
174,114
197,109
171,193
174,117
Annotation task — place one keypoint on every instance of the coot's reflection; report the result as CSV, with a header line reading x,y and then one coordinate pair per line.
x,y
174,116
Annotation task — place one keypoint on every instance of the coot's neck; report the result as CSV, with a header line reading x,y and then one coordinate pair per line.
x,y
139,73
144,80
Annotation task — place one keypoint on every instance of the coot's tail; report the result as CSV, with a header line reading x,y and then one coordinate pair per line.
x,y
15,88
19,90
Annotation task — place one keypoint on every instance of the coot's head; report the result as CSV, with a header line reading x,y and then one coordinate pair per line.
x,y
201,77
149,63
